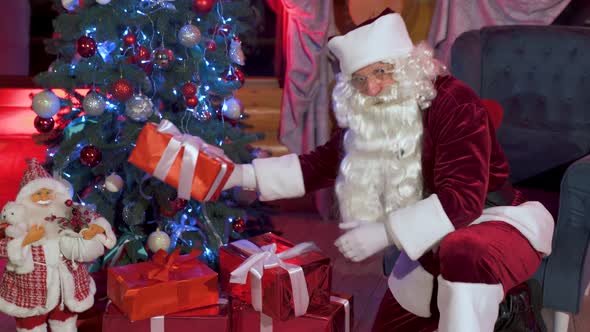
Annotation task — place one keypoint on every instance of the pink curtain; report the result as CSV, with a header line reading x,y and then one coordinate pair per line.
x,y
14,37
453,17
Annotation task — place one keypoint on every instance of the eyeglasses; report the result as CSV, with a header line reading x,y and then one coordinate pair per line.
x,y
360,82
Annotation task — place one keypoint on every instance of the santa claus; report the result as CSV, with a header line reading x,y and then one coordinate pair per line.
x,y
48,241
417,165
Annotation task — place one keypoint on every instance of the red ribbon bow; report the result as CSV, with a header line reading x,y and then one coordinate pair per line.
x,y
165,264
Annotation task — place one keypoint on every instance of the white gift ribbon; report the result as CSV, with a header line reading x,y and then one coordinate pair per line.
x,y
346,305
192,145
265,257
157,324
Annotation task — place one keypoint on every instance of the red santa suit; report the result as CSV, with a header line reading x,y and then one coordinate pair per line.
x,y
48,279
466,256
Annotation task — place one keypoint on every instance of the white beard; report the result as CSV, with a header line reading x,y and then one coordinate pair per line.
x,y
382,169
35,214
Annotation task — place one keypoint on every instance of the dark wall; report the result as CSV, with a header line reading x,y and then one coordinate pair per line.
x,y
576,13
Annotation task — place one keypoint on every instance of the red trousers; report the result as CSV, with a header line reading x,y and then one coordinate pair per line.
x,y
492,252
56,314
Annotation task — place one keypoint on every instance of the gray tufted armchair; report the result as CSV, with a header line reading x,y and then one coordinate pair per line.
x,y
541,77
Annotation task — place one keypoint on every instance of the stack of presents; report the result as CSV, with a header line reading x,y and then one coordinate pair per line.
x,y
265,284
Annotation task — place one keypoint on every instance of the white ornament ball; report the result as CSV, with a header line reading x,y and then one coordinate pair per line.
x,y
232,108
189,36
114,183
103,2
94,104
70,4
158,240
139,108
46,104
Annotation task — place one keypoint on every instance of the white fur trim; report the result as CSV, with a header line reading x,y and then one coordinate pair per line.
x,y
468,307
385,38
69,298
530,218
279,177
78,249
108,239
39,183
68,325
420,227
411,285
40,328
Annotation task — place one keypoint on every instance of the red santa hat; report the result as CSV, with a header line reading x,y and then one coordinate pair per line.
x,y
381,38
35,178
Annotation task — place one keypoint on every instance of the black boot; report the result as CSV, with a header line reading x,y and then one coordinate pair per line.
x,y
521,309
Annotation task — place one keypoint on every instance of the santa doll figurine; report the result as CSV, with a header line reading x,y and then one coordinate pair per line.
x,y
416,165
48,241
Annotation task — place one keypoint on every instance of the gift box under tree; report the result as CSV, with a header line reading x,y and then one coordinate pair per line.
x,y
211,318
295,278
164,285
337,316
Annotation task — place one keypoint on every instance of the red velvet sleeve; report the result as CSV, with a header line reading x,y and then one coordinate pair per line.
x,y
462,149
320,167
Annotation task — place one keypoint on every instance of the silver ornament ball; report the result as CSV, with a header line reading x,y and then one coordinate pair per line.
x,y
158,240
232,108
189,36
103,2
114,183
46,104
139,108
94,104
70,4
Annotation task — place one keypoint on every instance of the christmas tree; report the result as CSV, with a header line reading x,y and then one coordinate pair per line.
x,y
122,64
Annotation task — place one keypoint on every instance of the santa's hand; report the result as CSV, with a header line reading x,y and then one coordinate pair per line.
x,y
92,230
36,233
363,241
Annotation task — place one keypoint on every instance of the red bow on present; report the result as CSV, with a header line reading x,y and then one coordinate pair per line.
x,y
165,264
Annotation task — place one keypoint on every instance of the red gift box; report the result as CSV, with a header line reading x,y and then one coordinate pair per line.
x,y
211,318
277,297
337,316
185,162
167,284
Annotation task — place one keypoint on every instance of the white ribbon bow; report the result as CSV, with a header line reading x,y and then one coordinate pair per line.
x,y
265,257
192,145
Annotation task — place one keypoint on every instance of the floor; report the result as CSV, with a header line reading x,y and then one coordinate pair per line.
x,y
364,281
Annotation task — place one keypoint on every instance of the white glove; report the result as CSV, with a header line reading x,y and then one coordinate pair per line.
x,y
242,176
364,241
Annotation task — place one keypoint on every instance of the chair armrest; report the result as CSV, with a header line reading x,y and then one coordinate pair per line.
x,y
563,287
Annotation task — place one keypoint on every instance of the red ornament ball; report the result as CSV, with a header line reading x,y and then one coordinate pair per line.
x,y
90,156
43,125
189,89
239,225
179,204
122,90
240,76
69,203
86,46
130,39
191,102
211,46
143,53
203,6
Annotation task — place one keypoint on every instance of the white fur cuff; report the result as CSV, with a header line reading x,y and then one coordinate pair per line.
x,y
412,286
20,258
420,227
279,177
467,307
